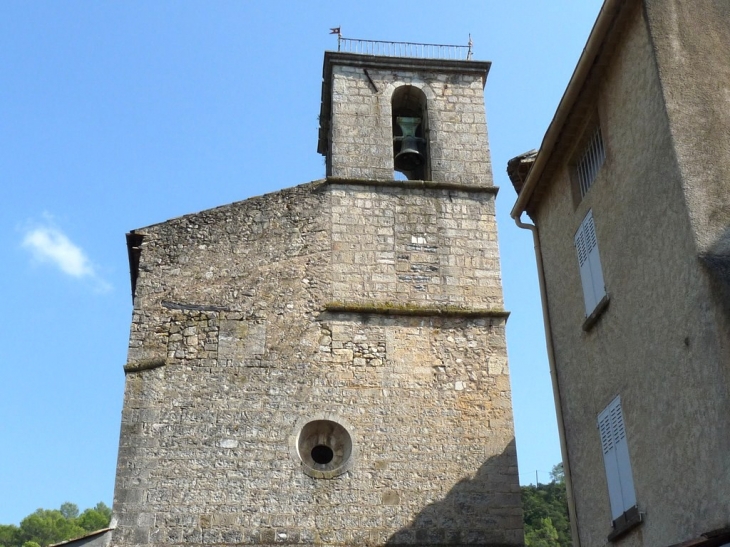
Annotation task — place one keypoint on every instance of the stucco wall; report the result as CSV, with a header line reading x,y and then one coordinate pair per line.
x,y
692,44
692,41
657,344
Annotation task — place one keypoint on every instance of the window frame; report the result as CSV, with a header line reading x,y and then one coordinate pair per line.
x,y
590,162
587,159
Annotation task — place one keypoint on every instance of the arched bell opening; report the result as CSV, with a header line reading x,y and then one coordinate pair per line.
x,y
410,130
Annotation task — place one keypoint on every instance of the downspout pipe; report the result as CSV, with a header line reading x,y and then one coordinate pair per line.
x,y
554,378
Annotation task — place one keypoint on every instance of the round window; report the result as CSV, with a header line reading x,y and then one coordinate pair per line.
x,y
325,448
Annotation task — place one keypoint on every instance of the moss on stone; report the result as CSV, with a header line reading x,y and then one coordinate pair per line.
x,y
397,308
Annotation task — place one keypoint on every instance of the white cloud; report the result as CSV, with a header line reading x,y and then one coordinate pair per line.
x,y
50,245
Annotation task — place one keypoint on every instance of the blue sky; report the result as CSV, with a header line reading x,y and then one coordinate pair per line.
x,y
117,115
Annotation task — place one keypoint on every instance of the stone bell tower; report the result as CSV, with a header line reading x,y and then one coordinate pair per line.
x,y
326,365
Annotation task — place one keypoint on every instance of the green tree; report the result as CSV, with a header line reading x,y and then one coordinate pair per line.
x,y
8,535
48,526
543,536
69,510
102,508
545,509
558,473
94,519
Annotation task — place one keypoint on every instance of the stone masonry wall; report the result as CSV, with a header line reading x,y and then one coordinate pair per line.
x,y
415,246
235,344
362,133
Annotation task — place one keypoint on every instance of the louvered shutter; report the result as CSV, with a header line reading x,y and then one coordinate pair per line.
x,y
589,262
616,459
599,288
628,495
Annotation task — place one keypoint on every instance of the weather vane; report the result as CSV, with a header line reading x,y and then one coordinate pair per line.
x,y
338,32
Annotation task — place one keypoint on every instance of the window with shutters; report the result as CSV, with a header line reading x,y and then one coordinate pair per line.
x,y
588,162
589,262
619,478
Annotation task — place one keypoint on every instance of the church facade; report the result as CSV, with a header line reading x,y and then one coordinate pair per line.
x,y
326,364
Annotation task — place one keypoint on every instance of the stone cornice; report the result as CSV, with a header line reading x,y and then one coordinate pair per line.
x,y
391,308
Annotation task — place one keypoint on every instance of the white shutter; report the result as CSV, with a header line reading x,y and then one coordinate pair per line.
x,y
616,459
611,463
599,288
622,456
589,262
585,271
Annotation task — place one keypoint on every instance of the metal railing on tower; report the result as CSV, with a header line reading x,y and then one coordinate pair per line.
x,y
402,49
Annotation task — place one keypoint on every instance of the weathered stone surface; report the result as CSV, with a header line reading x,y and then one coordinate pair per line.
x,y
239,306
361,136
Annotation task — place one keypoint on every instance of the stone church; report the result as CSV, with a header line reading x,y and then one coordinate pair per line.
x,y
326,365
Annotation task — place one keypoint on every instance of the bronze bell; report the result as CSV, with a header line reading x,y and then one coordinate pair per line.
x,y
409,158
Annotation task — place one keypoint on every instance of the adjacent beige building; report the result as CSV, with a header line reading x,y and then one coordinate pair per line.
x,y
629,194
326,365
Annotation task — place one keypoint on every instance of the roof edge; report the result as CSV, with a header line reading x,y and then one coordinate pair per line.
x,y
417,63
609,11
85,536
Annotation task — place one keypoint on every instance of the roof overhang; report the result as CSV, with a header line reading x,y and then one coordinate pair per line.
x,y
608,18
134,251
